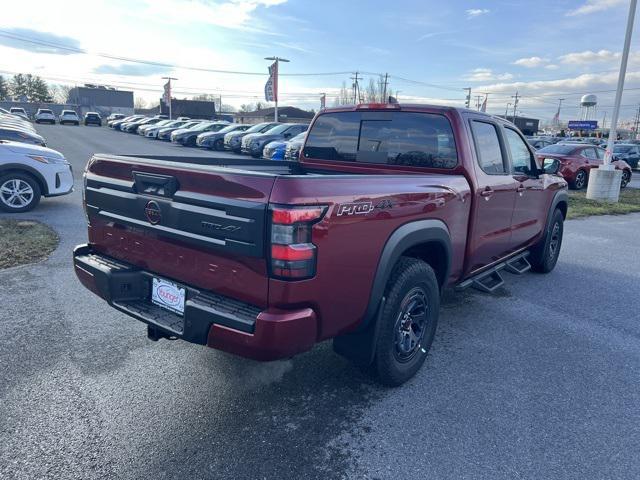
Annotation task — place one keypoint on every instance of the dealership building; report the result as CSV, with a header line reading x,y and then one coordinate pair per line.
x,y
528,126
101,99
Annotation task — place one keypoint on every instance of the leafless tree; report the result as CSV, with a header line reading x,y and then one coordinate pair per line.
x,y
139,103
59,92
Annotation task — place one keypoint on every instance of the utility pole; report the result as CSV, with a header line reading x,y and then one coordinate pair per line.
x,y
478,98
560,100
220,109
467,103
169,99
356,88
384,90
275,83
604,122
635,128
515,106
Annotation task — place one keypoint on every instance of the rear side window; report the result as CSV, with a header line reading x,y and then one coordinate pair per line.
x,y
488,148
391,138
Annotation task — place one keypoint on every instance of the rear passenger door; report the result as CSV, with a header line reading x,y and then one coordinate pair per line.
x,y
494,197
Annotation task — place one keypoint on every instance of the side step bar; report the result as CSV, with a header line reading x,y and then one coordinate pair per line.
x,y
490,280
518,265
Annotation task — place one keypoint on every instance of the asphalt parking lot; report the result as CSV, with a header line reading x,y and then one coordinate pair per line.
x,y
539,381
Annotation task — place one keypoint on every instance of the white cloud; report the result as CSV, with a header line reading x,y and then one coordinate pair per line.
x,y
581,83
588,57
234,14
592,6
531,62
486,75
476,12
551,66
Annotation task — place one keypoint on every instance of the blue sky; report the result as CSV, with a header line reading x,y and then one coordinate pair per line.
x,y
432,49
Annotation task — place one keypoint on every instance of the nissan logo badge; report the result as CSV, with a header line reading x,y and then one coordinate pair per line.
x,y
153,212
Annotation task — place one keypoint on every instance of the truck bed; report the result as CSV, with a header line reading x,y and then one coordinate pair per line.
x,y
257,166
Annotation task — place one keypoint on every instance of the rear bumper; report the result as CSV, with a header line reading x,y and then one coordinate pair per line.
x,y
209,319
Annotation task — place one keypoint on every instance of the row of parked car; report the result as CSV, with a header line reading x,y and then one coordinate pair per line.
x,y
269,140
28,170
46,115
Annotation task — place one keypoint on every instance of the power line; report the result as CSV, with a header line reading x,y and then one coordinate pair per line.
x,y
67,48
419,82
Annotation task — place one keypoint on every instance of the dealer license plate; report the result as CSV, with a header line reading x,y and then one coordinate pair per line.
x,y
168,295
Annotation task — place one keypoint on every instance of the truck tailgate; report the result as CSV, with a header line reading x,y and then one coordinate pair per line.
x,y
190,223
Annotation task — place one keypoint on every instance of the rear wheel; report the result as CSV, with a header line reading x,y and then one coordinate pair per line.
x,y
18,192
626,178
580,181
409,321
544,256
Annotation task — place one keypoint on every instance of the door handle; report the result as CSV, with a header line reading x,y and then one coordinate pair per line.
x,y
521,188
486,193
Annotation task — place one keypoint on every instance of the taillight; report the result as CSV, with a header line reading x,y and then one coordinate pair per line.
x,y
293,255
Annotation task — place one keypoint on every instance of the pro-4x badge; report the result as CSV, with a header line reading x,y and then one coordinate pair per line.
x,y
355,208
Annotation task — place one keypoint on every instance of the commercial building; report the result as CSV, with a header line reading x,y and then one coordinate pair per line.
x,y
189,108
528,126
101,99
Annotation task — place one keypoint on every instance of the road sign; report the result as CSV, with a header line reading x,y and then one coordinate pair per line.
x,y
583,124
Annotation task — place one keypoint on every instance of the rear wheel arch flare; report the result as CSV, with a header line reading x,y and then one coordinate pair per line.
x,y
415,239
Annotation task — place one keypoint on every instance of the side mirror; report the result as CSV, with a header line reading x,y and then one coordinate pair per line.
x,y
550,166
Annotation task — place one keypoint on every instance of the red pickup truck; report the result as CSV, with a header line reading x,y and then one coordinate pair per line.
x,y
387,206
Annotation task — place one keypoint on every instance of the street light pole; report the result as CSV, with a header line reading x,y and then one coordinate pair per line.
x,y
622,74
604,181
277,60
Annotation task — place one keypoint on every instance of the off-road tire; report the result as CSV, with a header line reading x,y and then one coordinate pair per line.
x,y
544,255
409,275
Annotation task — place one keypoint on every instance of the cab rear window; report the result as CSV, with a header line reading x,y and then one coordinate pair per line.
x,y
391,138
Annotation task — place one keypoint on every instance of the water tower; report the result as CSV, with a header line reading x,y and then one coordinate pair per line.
x,y
588,105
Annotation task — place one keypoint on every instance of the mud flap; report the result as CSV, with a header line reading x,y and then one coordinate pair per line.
x,y
360,347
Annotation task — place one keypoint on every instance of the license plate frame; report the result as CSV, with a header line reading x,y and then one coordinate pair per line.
x,y
168,295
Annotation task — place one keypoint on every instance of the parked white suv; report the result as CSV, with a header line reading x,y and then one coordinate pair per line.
x,y
69,116
44,115
20,112
29,172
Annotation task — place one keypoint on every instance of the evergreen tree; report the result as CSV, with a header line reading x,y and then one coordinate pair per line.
x,y
4,88
18,86
39,90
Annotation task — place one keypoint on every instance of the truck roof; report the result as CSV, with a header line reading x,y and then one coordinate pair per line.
x,y
406,106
